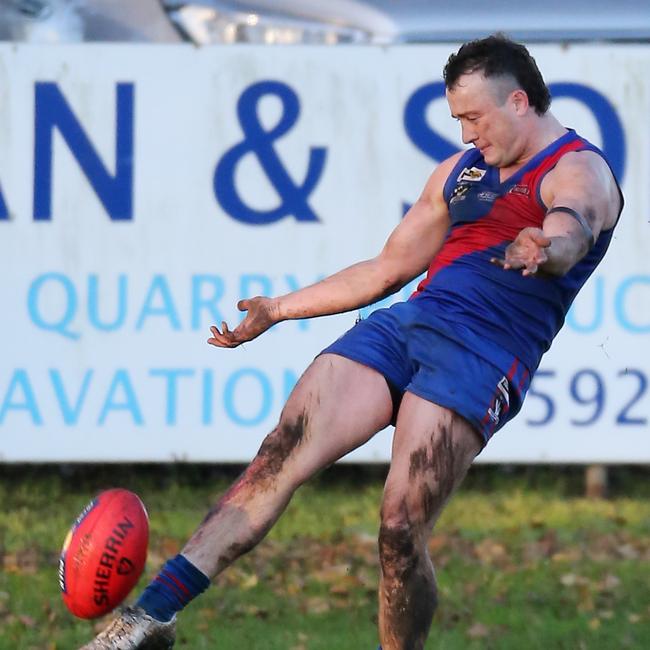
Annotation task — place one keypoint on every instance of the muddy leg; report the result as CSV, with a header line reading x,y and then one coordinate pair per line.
x,y
432,450
337,406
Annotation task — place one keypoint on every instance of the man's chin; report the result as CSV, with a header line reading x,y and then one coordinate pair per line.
x,y
488,155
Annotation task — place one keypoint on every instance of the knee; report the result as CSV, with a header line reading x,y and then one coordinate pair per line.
x,y
398,548
406,521
405,563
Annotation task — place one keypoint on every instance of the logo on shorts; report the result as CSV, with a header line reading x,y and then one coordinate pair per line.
x,y
501,401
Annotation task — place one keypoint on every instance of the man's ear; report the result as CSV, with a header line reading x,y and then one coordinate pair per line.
x,y
519,100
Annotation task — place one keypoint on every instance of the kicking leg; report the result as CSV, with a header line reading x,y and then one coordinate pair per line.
x,y
432,450
336,406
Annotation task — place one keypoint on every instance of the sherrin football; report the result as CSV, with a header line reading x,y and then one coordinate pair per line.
x,y
104,553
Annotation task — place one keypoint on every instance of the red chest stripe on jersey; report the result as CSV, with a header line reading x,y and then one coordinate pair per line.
x,y
463,240
510,213
502,225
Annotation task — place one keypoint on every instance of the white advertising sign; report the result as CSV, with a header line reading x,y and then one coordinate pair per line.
x,y
145,189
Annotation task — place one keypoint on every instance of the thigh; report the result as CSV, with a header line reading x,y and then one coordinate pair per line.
x,y
433,448
379,342
336,406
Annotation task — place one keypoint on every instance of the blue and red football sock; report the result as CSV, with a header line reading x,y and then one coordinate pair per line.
x,y
178,582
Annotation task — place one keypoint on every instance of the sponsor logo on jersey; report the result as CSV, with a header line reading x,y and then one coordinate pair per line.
x,y
524,190
487,196
459,193
471,174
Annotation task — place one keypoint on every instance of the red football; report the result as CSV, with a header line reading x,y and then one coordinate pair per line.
x,y
104,553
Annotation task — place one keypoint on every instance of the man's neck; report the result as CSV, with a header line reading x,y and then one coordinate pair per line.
x,y
544,131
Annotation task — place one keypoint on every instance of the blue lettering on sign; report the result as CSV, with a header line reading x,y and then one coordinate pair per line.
x,y
265,403
599,310
55,303
208,392
438,148
259,142
201,302
159,286
69,411
4,213
171,375
93,303
121,382
53,112
20,382
609,123
60,325
289,381
619,303
418,129
251,284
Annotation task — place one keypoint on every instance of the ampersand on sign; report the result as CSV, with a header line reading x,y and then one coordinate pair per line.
x,y
293,196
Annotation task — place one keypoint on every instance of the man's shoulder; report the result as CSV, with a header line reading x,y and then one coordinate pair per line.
x,y
583,166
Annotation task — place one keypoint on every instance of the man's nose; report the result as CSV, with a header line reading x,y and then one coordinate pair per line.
x,y
468,133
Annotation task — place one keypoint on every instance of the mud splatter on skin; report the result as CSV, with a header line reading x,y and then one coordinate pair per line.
x,y
267,464
438,468
278,446
237,549
447,469
430,502
408,587
409,595
420,461
228,526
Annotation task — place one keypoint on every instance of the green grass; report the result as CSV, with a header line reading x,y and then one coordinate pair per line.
x,y
523,561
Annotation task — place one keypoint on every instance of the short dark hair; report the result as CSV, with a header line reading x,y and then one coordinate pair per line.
x,y
497,56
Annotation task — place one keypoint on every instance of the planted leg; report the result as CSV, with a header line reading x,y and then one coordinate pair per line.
x,y
432,450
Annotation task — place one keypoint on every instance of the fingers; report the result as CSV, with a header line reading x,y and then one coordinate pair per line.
x,y
223,339
507,266
526,267
243,305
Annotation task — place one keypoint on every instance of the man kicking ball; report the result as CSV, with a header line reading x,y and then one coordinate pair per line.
x,y
509,231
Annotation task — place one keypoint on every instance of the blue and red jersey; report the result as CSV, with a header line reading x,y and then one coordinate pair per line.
x,y
478,303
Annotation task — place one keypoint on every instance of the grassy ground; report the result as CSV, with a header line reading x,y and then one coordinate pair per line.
x,y
523,560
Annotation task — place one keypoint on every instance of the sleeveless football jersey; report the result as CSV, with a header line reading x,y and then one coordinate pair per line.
x,y
477,302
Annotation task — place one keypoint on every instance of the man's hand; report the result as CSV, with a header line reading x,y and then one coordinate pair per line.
x,y
527,252
262,314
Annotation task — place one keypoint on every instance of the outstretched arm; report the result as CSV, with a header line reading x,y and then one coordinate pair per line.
x,y
583,199
407,253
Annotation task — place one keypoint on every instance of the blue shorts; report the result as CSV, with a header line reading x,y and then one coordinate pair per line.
x,y
417,354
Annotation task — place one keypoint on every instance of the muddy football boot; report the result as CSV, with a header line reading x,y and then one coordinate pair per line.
x,y
135,629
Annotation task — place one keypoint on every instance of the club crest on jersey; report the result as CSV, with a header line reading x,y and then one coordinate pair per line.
x,y
471,174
